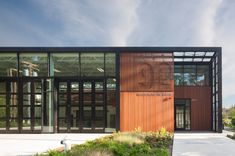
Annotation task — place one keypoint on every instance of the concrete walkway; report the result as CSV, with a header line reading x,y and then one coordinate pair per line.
x,y
203,144
30,144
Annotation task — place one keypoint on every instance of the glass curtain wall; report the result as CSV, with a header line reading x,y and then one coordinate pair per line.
x,y
32,108
8,64
86,67
64,64
191,75
8,92
33,64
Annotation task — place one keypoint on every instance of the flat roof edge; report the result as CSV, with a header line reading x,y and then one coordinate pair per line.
x,y
119,49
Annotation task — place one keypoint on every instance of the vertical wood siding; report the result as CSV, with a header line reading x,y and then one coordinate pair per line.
x,y
200,105
149,112
147,97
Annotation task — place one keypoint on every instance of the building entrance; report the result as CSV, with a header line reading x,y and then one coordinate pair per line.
x,y
182,114
21,105
81,105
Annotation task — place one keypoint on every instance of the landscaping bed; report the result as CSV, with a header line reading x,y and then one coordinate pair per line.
x,y
135,143
231,136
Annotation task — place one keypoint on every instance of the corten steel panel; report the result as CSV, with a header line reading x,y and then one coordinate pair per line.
x,y
200,105
148,110
146,85
146,72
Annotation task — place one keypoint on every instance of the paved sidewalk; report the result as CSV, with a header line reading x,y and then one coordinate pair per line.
x,y
30,144
203,144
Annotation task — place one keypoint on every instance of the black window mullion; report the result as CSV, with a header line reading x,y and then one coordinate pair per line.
x,y
56,105
7,104
32,105
105,74
44,104
68,105
105,102
93,115
81,104
18,65
20,104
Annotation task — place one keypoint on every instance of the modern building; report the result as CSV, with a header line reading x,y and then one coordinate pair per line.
x,y
106,89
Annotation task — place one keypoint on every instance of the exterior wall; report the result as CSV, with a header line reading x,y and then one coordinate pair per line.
x,y
144,86
147,91
200,105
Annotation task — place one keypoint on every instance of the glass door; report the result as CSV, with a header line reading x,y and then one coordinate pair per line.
x,y
9,106
180,117
93,106
81,106
182,114
30,105
68,106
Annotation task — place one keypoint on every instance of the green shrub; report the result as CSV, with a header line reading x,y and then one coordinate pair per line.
x,y
134,143
233,121
227,122
161,139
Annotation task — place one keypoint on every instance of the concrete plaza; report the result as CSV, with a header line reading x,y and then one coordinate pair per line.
x,y
203,144
30,144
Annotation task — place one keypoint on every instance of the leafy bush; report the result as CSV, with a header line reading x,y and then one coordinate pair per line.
x,y
233,121
161,139
113,148
227,122
124,144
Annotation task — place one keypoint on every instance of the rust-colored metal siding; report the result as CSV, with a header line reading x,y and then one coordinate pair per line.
x,y
147,110
147,91
200,105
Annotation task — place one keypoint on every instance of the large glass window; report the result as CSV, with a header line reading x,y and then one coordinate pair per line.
x,y
203,75
92,64
111,105
178,75
191,75
110,64
8,105
8,64
33,64
66,64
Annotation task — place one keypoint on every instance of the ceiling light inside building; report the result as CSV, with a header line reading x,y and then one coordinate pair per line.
x,y
100,70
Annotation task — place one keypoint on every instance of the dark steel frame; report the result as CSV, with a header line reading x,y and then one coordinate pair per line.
x,y
81,103
19,81
118,51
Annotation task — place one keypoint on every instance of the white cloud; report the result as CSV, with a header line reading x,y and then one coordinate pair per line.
x,y
175,23
94,22
127,23
225,36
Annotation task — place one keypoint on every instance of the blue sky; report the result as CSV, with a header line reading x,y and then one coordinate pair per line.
x,y
124,23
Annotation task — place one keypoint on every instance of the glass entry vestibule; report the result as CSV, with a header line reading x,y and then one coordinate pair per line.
x,y
49,92
81,105
21,105
182,114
